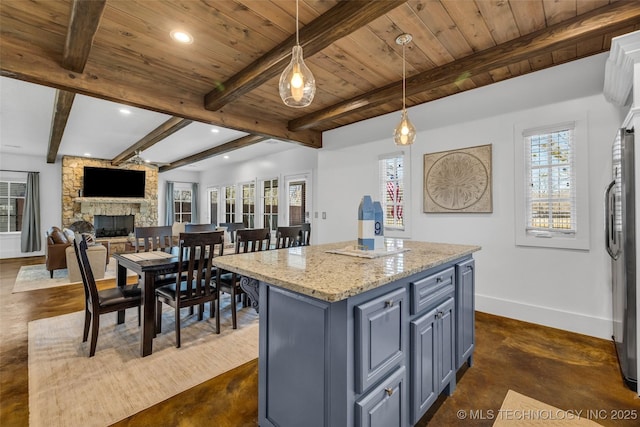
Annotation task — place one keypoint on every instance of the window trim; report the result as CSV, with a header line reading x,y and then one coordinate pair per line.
x,y
581,239
10,182
182,187
406,164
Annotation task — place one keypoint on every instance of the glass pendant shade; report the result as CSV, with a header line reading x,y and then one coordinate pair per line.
x,y
297,86
405,132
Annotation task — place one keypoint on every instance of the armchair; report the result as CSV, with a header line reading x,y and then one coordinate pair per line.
x,y
55,255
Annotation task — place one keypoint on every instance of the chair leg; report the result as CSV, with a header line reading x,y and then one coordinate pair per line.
x,y
200,311
178,324
51,273
234,304
87,322
217,311
94,334
158,317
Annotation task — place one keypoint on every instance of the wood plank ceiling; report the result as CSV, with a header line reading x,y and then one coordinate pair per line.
x,y
120,50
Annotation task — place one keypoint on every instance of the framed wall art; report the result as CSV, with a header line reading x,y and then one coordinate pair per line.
x,y
458,180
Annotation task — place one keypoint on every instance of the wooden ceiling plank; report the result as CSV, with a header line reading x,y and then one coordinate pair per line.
x,y
236,144
163,131
470,23
335,24
24,61
62,108
558,11
529,15
543,42
84,22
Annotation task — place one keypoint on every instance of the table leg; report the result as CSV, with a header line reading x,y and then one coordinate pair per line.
x,y
121,280
148,314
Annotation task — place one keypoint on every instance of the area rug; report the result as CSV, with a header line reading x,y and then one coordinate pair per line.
x,y
67,388
521,411
35,277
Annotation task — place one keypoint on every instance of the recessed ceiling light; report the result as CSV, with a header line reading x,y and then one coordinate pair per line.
x,y
214,130
182,36
225,157
87,154
125,111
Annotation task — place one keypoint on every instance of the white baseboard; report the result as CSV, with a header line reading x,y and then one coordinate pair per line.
x,y
573,322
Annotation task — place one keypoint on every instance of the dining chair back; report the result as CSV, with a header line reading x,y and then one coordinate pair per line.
x,y
287,237
306,234
248,240
232,228
103,301
196,281
153,238
197,228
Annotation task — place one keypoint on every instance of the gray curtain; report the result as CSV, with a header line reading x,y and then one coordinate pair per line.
x,y
30,236
194,203
168,201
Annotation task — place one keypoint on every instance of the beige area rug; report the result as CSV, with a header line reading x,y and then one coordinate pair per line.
x,y
521,411
35,277
67,388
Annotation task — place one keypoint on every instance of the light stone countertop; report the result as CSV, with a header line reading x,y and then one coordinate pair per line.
x,y
312,271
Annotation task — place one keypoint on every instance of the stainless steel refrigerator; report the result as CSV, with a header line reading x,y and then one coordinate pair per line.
x,y
621,237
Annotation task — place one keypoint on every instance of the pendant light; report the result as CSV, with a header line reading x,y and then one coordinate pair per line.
x,y
297,85
405,132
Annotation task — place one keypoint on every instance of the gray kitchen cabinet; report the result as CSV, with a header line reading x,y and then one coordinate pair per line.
x,y
433,356
379,337
465,312
385,405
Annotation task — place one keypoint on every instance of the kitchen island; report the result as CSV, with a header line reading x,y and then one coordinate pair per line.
x,y
347,340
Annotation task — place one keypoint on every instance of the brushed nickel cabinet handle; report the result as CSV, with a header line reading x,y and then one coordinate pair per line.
x,y
389,391
388,303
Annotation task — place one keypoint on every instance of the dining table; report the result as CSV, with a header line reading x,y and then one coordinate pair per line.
x,y
149,266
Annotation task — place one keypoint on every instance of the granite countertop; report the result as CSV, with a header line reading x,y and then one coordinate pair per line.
x,y
312,271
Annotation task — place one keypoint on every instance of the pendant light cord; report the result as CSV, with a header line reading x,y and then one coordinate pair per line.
x,y
403,79
297,37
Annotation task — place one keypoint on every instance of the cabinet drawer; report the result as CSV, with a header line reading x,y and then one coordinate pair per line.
x,y
379,339
384,405
431,290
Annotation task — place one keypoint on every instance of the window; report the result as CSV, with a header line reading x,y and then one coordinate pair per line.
x,y
392,191
269,199
182,205
214,193
11,205
552,207
230,204
248,204
297,202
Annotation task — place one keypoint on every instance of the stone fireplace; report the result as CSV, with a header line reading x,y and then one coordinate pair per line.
x,y
144,211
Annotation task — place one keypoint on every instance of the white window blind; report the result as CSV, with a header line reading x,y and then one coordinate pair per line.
x,y
392,189
550,169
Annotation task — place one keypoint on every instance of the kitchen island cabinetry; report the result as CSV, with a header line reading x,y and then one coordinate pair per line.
x,y
345,341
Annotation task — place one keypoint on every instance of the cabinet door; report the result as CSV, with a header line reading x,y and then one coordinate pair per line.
x,y
424,385
384,405
445,328
465,312
379,338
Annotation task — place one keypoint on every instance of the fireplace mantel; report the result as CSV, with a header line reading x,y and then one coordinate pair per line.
x,y
125,200
112,205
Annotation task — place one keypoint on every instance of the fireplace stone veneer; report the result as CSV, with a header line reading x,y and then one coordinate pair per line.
x,y
74,208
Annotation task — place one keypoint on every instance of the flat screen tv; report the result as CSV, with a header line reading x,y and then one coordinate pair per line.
x,y
110,182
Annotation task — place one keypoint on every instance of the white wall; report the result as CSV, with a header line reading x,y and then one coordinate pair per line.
x,y
50,199
566,289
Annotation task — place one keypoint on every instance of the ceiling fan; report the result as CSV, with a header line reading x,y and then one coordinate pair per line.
x,y
137,159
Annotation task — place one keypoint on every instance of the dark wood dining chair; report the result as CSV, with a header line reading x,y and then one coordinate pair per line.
x,y
153,238
196,286
198,228
103,301
232,228
247,240
287,237
306,234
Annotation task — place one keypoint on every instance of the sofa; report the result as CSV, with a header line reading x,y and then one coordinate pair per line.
x,y
55,250
97,255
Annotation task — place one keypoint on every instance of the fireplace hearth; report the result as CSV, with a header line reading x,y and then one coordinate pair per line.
x,y
113,225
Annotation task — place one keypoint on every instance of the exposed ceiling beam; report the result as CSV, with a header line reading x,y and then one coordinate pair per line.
x,y
595,23
341,20
236,144
61,110
169,127
85,19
